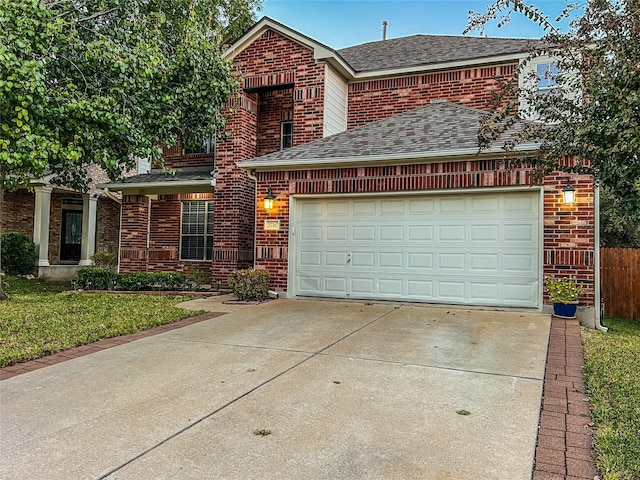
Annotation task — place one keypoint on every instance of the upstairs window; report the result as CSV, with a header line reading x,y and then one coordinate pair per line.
x,y
286,129
196,230
546,74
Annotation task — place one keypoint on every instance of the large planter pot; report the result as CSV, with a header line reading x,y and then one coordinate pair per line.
x,y
565,310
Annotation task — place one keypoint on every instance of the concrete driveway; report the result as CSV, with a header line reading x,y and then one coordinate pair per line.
x,y
348,390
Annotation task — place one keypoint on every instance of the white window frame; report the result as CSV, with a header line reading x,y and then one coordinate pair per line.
x,y
207,234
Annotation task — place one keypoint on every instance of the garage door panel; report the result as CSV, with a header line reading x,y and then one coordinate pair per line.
x,y
310,259
335,259
480,262
335,285
484,233
420,233
423,261
363,233
470,249
452,233
363,286
520,263
391,260
519,233
451,290
391,233
363,260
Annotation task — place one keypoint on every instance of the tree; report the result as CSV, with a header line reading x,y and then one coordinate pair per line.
x,y
593,113
109,81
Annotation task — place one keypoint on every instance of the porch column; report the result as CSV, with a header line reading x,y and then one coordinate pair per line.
x,y
89,219
41,217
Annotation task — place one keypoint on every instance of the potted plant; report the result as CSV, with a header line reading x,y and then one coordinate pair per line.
x,y
564,294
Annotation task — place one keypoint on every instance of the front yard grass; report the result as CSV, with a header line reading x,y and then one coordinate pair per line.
x,y
612,376
40,319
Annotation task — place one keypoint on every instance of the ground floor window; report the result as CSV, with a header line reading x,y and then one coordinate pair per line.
x,y
196,230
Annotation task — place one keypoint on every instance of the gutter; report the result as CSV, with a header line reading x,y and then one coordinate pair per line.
x,y
317,163
596,260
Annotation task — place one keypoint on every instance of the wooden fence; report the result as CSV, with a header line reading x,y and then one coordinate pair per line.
x,y
620,282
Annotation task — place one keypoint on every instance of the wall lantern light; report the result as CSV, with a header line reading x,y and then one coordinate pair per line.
x,y
269,200
569,194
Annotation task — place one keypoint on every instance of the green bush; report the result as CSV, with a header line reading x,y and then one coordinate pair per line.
x,y
92,278
152,281
18,254
249,284
107,260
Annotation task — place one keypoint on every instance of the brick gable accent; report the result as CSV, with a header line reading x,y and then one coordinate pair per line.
x,y
377,99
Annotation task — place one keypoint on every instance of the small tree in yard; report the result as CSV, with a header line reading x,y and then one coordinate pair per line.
x,y
593,114
108,81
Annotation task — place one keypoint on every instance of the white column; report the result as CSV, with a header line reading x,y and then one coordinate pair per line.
x,y
89,221
41,217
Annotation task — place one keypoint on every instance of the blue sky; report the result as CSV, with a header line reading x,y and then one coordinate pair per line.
x,y
341,23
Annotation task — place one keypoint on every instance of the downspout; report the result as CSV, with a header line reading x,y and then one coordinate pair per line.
x,y
596,260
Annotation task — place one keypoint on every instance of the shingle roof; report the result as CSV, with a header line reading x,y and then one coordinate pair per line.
x,y
427,49
438,129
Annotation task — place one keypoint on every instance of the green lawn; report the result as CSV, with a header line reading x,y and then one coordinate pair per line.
x,y
40,319
612,375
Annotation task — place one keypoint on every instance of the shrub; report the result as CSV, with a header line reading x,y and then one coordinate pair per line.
x,y
93,278
249,284
563,290
152,281
18,254
108,260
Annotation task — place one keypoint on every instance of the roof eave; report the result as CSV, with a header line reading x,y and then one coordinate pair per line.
x,y
373,160
471,62
160,188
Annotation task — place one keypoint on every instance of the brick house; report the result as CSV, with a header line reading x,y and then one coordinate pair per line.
x,y
67,227
371,157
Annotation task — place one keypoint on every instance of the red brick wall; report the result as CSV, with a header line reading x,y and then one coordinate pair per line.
x,y
134,235
271,105
108,225
174,158
377,99
17,212
275,61
569,235
568,231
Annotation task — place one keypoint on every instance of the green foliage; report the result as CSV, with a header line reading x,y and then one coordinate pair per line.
x,y
152,281
196,278
249,285
108,81
619,227
563,290
107,260
94,278
18,254
612,377
594,113
38,319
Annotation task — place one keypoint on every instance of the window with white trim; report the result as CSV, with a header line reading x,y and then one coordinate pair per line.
x,y
546,74
196,230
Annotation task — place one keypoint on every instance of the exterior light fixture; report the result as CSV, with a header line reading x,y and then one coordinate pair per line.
x,y
269,200
569,194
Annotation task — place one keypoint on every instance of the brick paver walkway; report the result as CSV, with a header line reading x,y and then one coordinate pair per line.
x,y
24,367
564,449
565,439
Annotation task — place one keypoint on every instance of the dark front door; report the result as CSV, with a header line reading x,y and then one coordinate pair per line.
x,y
71,235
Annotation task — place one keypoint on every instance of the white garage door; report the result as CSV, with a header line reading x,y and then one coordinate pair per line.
x,y
474,249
